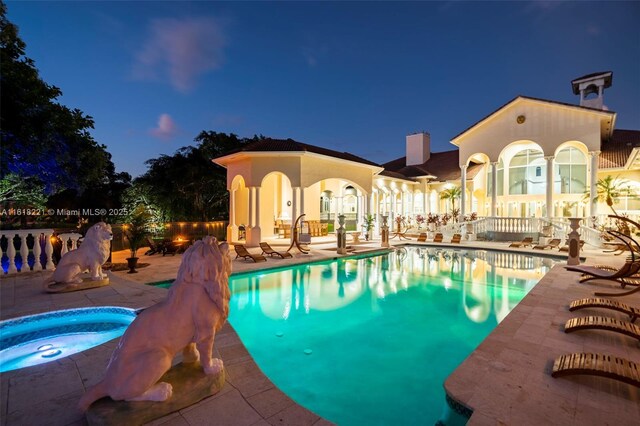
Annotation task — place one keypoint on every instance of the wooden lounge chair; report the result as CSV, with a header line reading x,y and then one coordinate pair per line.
x,y
601,302
266,249
456,239
597,365
602,323
241,251
438,238
551,245
526,242
153,247
422,238
591,272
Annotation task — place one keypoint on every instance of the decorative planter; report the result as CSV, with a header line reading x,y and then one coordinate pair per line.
x,y
132,262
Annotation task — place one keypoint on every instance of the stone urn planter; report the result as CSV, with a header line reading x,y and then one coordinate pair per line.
x,y
132,262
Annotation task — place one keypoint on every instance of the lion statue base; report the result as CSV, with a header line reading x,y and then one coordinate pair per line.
x,y
196,307
90,256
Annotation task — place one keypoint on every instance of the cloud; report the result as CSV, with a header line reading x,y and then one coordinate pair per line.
x,y
181,50
312,55
165,129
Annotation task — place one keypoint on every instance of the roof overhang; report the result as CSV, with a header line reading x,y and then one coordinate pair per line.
x,y
607,117
224,161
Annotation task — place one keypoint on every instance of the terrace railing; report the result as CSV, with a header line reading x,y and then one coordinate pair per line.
x,y
19,245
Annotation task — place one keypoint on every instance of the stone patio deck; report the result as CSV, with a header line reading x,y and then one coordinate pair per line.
x,y
504,380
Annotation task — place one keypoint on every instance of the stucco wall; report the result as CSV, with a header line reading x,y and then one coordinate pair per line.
x,y
545,124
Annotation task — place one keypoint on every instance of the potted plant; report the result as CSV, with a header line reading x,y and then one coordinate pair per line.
x,y
420,220
136,232
432,221
368,225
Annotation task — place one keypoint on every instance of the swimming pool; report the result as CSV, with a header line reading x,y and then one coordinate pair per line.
x,y
371,340
41,338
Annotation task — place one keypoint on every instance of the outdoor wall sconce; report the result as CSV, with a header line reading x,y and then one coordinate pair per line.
x,y
288,203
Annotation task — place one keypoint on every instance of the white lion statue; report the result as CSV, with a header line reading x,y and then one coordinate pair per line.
x,y
196,307
91,255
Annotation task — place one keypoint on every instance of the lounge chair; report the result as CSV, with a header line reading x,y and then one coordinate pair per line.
x,y
597,365
601,302
551,245
438,238
591,272
266,249
422,238
456,239
526,242
241,251
602,323
153,247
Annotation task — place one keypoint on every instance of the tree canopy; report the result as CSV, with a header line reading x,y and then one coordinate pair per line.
x,y
47,144
188,185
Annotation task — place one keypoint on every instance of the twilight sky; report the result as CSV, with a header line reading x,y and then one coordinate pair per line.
x,y
353,76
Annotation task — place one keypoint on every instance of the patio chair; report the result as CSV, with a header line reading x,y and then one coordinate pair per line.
x,y
241,251
551,245
526,242
603,272
171,247
456,239
601,302
597,365
422,238
602,323
438,238
266,249
153,247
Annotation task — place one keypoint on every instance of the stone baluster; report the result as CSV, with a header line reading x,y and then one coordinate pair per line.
x,y
24,251
48,249
11,254
37,266
65,240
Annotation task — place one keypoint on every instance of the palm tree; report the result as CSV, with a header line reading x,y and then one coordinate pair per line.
x,y
608,190
451,194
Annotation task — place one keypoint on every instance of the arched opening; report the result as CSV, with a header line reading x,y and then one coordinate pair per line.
x,y
276,204
527,173
571,171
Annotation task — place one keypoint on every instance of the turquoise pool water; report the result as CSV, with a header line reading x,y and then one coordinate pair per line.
x,y
371,341
37,339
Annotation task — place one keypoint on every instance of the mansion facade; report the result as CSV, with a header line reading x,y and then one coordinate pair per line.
x,y
529,158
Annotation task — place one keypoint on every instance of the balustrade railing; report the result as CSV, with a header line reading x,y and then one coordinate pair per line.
x,y
17,245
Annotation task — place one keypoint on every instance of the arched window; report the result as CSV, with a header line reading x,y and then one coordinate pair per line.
x,y
572,172
527,173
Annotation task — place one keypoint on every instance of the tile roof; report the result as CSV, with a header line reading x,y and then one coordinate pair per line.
x,y
615,152
445,166
289,145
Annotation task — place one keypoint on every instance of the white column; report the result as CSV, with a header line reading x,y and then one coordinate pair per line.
x,y
593,183
232,229
301,200
11,253
463,191
425,203
256,222
37,266
549,159
48,249
403,203
24,251
494,188
392,199
251,206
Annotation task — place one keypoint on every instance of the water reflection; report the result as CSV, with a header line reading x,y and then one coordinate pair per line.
x,y
487,284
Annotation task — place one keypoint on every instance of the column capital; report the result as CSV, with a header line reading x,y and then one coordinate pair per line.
x,y
549,157
494,163
594,153
464,167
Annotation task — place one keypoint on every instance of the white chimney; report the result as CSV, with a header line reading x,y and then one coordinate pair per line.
x,y
418,148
